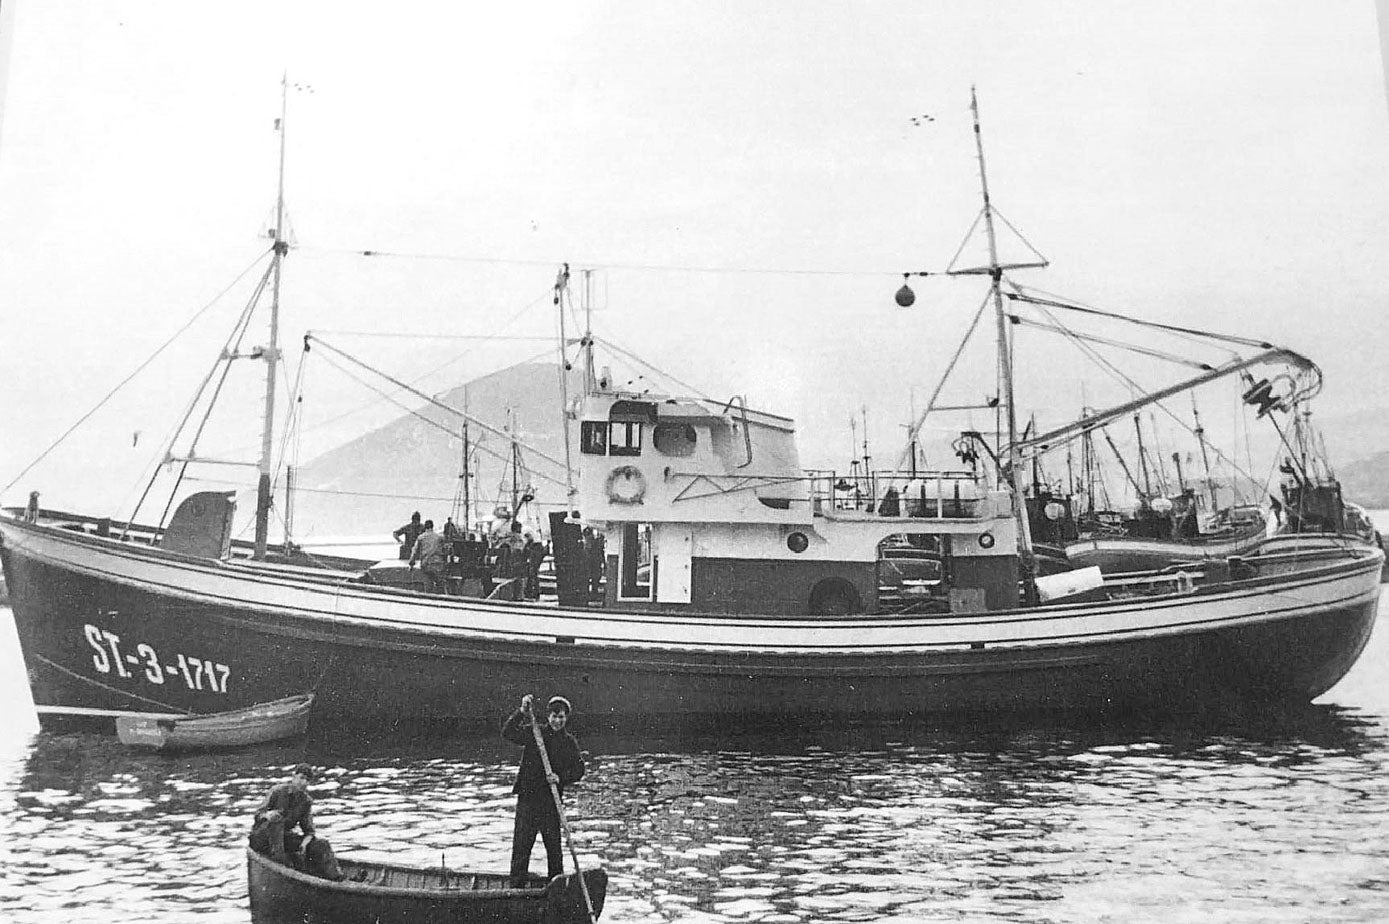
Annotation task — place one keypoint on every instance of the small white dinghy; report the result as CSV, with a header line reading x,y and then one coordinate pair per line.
x,y
272,721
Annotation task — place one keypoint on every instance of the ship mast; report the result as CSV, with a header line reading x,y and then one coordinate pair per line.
x,y
1005,353
590,381
1205,460
561,288
271,354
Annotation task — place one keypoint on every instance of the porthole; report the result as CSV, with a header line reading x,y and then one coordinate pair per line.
x,y
673,439
986,541
798,542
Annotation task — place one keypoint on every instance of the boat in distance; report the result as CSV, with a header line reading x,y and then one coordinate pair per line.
x,y
383,893
257,724
734,582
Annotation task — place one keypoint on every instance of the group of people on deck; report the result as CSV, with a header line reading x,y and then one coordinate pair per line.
x,y
539,789
516,556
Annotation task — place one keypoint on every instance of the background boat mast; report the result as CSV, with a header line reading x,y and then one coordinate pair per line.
x,y
271,354
1205,459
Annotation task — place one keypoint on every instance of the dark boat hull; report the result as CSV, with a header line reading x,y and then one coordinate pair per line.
x,y
377,658
375,893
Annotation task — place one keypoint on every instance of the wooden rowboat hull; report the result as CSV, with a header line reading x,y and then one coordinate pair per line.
x,y
379,893
257,724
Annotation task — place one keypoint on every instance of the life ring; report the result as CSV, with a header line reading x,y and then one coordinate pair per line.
x,y
625,485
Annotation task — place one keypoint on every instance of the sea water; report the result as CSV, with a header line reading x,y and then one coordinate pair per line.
x,y
1267,817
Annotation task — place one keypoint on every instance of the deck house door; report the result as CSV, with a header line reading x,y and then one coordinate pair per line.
x,y
672,554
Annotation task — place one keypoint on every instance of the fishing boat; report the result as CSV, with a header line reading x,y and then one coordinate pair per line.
x,y
1113,553
734,581
383,893
258,724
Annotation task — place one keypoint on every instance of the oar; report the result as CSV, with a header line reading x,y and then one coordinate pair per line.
x,y
563,822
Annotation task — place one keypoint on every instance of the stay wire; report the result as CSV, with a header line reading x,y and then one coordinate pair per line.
x,y
419,379
1079,342
226,359
138,369
433,423
238,330
605,265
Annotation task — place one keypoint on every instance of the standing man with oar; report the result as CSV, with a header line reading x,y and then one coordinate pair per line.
x,y
537,803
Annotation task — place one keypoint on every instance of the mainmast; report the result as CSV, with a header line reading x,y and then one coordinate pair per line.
x,y
590,379
1005,353
271,354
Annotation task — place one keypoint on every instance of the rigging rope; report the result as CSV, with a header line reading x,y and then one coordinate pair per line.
x,y
1172,328
617,348
227,359
433,423
599,265
421,395
439,368
138,369
238,330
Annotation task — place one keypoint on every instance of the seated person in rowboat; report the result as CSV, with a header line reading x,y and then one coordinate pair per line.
x,y
286,806
536,808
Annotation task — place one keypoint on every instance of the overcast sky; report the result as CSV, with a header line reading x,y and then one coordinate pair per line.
x,y
745,178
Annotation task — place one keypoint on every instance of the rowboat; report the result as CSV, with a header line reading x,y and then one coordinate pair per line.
x,y
272,721
383,893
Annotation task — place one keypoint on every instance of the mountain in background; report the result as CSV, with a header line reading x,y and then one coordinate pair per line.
x,y
1367,482
1356,436
1358,444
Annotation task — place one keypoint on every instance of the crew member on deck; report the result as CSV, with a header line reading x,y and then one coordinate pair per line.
x,y
536,811
534,554
288,805
595,552
407,534
429,553
511,562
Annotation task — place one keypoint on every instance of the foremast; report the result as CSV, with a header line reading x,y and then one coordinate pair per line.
x,y
271,354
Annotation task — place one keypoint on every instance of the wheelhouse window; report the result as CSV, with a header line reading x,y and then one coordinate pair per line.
x,y
624,438
593,437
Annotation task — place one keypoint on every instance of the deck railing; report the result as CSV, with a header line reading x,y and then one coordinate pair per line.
x,y
930,494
